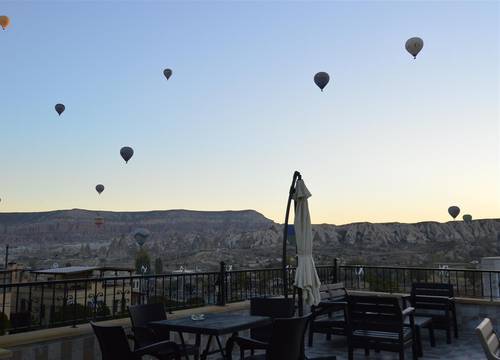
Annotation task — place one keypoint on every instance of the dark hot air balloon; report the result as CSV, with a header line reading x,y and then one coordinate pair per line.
x,y
99,188
467,217
453,211
60,108
414,45
321,79
167,73
141,235
126,152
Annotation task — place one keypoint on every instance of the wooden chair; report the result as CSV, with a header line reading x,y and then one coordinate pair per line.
x,y
144,334
114,345
437,301
286,341
272,307
328,317
377,322
489,339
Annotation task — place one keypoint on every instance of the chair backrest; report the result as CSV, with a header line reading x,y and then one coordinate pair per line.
x,y
141,316
287,339
432,289
377,313
272,307
112,342
335,292
488,338
431,296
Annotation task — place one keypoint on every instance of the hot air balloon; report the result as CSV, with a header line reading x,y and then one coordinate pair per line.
x,y
321,79
453,211
99,188
167,73
60,108
99,221
414,45
4,21
467,217
141,235
126,152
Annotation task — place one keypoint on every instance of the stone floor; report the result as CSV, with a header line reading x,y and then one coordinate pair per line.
x,y
466,347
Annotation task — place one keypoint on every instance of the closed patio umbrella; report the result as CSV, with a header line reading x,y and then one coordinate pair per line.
x,y
306,277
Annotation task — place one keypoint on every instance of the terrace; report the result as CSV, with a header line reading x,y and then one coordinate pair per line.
x,y
49,319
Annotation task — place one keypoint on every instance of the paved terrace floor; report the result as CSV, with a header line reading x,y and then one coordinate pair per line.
x,y
466,347
79,343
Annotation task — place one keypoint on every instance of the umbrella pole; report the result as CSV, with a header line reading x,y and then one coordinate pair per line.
x,y
296,175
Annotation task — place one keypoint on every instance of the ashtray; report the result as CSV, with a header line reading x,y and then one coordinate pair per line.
x,y
198,317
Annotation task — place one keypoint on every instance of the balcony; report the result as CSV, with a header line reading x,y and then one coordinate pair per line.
x,y
49,320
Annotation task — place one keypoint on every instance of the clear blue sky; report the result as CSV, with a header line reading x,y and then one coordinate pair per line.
x,y
390,139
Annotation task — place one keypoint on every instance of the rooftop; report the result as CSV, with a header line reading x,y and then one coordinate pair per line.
x,y
79,269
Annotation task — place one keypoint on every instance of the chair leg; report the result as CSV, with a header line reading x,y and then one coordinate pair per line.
x,y
401,354
431,336
351,353
367,351
455,325
418,340
448,335
415,351
311,336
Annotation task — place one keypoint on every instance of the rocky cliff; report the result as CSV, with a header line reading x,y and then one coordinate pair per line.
x,y
244,238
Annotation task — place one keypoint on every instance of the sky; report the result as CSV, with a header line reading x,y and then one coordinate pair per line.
x,y
390,139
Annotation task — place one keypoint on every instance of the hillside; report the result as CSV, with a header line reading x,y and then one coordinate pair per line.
x,y
243,238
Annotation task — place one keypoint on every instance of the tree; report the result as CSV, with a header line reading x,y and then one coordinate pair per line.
x,y
142,260
158,266
4,323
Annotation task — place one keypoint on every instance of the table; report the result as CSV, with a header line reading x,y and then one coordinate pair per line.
x,y
420,322
213,325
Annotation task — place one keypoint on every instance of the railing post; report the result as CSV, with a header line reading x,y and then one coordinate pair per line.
x,y
335,273
222,284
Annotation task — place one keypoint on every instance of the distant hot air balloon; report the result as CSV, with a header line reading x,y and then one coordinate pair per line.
x,y
467,217
321,79
167,73
60,108
141,235
414,45
126,152
453,211
99,221
4,21
99,188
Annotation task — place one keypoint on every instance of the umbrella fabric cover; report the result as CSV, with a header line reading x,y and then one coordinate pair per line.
x,y
306,276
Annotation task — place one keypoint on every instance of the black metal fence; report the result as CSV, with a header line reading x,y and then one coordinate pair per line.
x,y
469,283
32,305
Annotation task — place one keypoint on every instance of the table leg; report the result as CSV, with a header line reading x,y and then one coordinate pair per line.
x,y
183,344
221,349
207,348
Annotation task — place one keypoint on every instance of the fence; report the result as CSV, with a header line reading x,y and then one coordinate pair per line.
x,y
33,305
40,304
469,283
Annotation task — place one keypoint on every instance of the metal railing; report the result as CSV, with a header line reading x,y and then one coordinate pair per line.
x,y
33,305
467,283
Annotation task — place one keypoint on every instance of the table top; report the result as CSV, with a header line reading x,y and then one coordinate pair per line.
x,y
214,324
